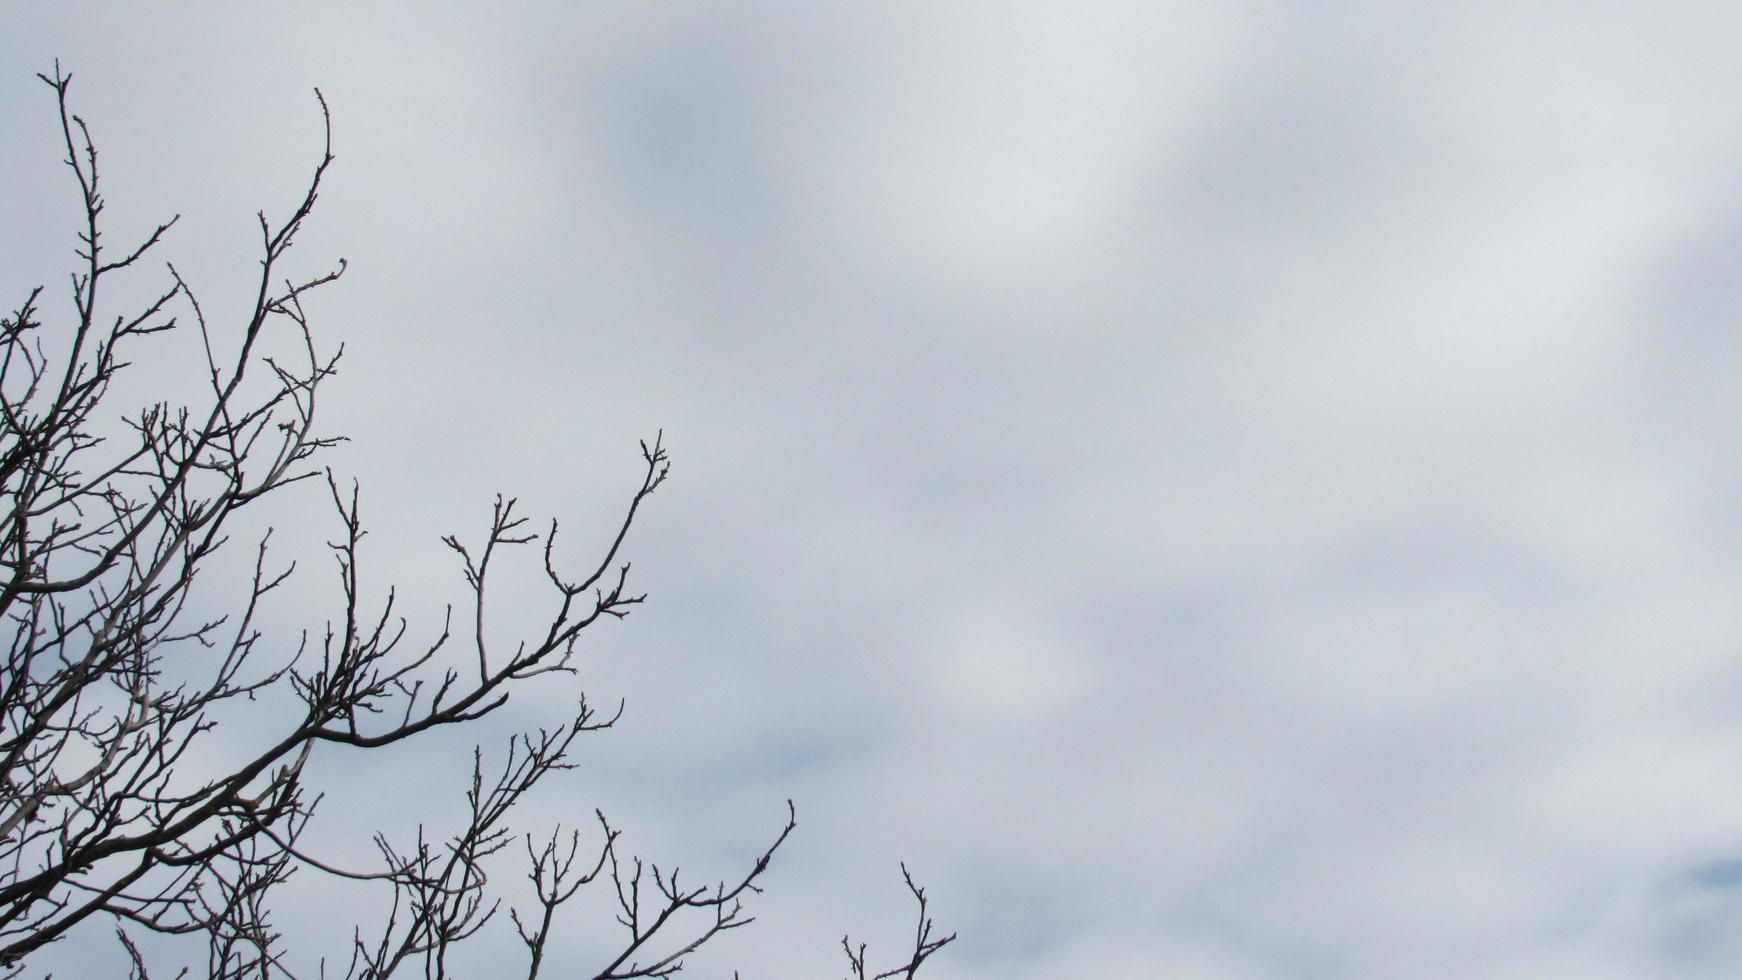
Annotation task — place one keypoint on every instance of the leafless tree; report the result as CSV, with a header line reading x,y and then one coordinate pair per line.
x,y
111,674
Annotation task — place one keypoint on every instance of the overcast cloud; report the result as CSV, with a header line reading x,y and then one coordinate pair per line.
x,y
1222,490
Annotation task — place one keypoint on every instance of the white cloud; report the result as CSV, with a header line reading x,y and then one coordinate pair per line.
x,y
1257,481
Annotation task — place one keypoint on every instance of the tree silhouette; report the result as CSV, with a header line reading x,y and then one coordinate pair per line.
x,y
111,674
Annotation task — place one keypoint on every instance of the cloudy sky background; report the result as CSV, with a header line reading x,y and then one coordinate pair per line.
x,y
1222,490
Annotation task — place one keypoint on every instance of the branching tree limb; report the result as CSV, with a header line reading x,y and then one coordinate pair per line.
x,y
110,676
923,943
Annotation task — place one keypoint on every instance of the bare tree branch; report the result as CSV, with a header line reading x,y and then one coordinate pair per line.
x,y
110,679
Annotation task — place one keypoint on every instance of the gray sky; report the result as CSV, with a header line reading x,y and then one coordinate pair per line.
x,y
1223,490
